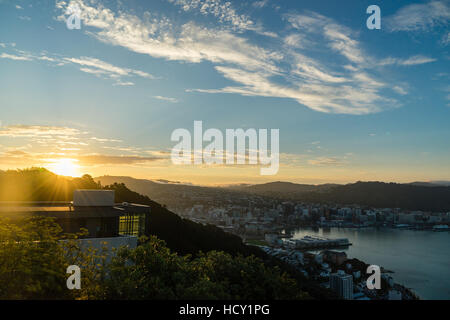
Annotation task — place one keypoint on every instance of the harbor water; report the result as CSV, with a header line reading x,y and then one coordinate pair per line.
x,y
420,260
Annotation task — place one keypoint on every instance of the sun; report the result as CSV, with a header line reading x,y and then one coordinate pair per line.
x,y
64,167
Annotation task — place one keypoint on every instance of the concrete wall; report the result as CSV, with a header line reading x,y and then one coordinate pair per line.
x,y
93,198
109,244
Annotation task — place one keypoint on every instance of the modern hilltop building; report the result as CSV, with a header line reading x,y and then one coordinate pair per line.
x,y
94,210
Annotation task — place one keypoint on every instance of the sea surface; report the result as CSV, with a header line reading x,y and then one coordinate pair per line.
x,y
420,260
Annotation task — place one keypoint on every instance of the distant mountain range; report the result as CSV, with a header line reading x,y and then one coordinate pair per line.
x,y
286,188
432,184
427,196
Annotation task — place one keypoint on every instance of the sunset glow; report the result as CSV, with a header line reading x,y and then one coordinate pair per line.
x,y
65,167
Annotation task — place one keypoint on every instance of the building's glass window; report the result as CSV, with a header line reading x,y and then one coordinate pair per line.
x,y
132,225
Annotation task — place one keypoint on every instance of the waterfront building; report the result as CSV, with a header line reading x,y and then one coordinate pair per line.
x,y
342,284
441,227
335,257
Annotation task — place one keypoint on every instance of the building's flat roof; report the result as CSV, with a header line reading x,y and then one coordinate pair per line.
x,y
67,210
34,208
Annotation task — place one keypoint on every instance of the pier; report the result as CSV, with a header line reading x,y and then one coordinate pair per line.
x,y
315,242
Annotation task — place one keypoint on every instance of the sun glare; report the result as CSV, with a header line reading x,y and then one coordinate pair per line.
x,y
64,167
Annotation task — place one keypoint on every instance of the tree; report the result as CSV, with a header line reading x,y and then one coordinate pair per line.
x,y
152,271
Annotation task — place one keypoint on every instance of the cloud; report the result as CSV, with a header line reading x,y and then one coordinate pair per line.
x,y
419,17
411,61
14,57
319,97
341,41
21,158
53,136
99,159
278,69
326,161
68,143
173,100
400,90
99,67
445,41
225,14
223,11
16,131
260,4
307,70
105,140
124,83
338,37
107,68
296,40
87,64
160,39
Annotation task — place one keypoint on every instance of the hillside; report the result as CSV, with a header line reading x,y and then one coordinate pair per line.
x,y
181,236
285,189
164,193
413,196
386,195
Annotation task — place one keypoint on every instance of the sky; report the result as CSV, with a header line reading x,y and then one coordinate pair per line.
x,y
351,103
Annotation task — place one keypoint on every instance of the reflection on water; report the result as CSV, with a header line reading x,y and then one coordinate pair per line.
x,y
420,259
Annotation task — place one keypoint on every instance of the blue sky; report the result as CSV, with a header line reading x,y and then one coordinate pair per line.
x,y
351,103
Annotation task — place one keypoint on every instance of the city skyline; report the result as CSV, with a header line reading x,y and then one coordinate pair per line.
x,y
350,103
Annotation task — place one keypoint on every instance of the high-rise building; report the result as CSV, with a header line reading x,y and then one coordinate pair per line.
x,y
342,283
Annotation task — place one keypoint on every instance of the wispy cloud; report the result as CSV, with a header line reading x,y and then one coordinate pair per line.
x,y
260,4
400,90
87,64
105,139
353,87
326,161
14,57
221,10
420,16
224,12
16,131
106,68
445,39
159,38
67,142
96,159
168,99
23,158
411,61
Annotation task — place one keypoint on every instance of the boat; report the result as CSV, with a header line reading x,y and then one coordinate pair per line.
x,y
441,227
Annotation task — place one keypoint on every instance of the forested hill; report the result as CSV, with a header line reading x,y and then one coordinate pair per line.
x,y
374,194
412,196
387,195
181,236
